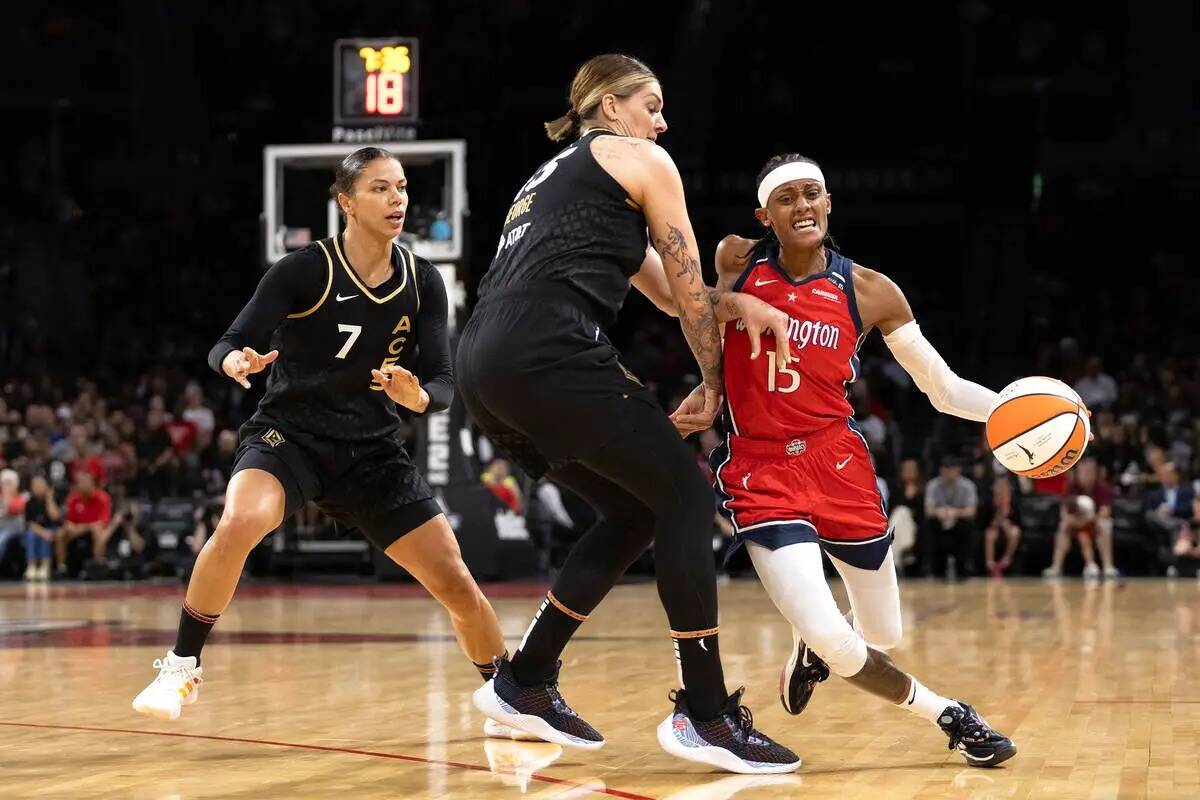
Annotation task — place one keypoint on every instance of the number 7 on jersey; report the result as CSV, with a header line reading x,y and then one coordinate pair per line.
x,y
355,331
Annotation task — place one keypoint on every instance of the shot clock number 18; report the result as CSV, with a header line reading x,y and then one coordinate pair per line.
x,y
375,81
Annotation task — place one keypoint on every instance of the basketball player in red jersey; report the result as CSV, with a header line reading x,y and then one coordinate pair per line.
x,y
795,474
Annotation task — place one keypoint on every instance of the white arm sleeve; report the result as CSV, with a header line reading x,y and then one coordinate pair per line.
x,y
949,393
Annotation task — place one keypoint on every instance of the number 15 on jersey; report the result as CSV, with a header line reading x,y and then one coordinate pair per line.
x,y
787,376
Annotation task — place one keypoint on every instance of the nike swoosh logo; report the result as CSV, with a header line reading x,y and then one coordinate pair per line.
x,y
804,658
703,646
764,283
844,463
339,298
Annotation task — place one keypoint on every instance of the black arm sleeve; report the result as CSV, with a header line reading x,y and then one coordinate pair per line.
x,y
433,340
293,284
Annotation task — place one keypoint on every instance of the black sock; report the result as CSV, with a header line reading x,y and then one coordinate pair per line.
x,y
700,665
551,629
487,671
193,630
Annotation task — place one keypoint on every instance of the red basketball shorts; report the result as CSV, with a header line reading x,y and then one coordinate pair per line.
x,y
818,488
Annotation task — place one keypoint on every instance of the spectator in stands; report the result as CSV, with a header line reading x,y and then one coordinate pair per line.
x,y
156,456
500,482
907,511
1097,388
195,411
1001,518
1167,508
89,512
950,505
12,511
1188,543
1086,514
42,516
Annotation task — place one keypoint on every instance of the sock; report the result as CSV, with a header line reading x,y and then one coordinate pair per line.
x,y
924,703
698,656
193,630
487,671
553,626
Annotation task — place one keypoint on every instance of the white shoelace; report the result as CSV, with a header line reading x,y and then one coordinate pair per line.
x,y
180,671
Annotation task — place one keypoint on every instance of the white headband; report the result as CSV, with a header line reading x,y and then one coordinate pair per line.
x,y
792,171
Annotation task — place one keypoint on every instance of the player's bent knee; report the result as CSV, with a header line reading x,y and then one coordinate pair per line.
x,y
885,636
841,648
453,587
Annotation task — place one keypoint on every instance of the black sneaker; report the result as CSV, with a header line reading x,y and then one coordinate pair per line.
x,y
979,744
800,676
728,741
538,709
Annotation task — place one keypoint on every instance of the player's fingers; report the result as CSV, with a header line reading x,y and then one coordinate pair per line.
x,y
245,383
380,376
269,357
783,347
755,334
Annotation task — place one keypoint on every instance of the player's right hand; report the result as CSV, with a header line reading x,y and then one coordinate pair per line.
x,y
759,316
239,364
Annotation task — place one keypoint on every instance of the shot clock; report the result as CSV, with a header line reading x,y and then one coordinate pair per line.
x,y
375,82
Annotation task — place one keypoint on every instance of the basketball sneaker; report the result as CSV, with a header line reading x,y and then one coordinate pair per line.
x,y
539,709
1091,572
177,685
800,676
495,730
728,741
973,737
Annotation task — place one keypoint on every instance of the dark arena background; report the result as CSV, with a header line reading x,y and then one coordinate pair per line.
x,y
1026,172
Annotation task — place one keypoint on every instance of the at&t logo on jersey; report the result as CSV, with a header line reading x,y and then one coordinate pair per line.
x,y
808,332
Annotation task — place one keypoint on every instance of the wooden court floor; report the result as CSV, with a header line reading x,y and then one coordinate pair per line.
x,y
360,691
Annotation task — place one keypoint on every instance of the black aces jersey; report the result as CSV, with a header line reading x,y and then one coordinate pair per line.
x,y
571,223
331,330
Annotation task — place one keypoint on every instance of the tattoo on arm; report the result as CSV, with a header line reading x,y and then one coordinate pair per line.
x,y
699,324
675,248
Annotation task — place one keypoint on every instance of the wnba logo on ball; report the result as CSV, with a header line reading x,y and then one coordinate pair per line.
x,y
1063,465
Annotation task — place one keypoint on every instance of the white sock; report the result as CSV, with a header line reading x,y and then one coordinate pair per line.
x,y
924,703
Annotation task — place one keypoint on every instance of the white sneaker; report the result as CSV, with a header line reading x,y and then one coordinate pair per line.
x,y
177,685
1112,573
1051,572
1091,572
498,730
43,573
30,572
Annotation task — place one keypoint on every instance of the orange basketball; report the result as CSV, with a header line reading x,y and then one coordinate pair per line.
x,y
1039,427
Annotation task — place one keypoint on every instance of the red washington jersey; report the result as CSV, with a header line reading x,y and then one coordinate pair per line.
x,y
825,332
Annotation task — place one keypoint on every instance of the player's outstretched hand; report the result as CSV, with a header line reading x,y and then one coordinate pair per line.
x,y
698,410
240,364
759,316
401,385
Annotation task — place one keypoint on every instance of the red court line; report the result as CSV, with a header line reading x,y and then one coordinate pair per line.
x,y
328,749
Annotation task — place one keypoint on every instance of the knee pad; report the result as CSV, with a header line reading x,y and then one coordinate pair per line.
x,y
840,647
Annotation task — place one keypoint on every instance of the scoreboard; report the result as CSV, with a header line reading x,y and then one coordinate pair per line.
x,y
375,82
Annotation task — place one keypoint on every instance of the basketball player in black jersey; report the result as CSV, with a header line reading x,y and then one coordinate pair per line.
x,y
357,326
545,384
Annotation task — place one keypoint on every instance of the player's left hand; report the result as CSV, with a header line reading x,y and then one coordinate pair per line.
x,y
402,386
697,411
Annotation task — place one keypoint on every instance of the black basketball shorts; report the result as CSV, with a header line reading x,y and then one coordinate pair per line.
x,y
543,381
372,486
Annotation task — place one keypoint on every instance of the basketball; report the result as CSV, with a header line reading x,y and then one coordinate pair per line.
x,y
1038,428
